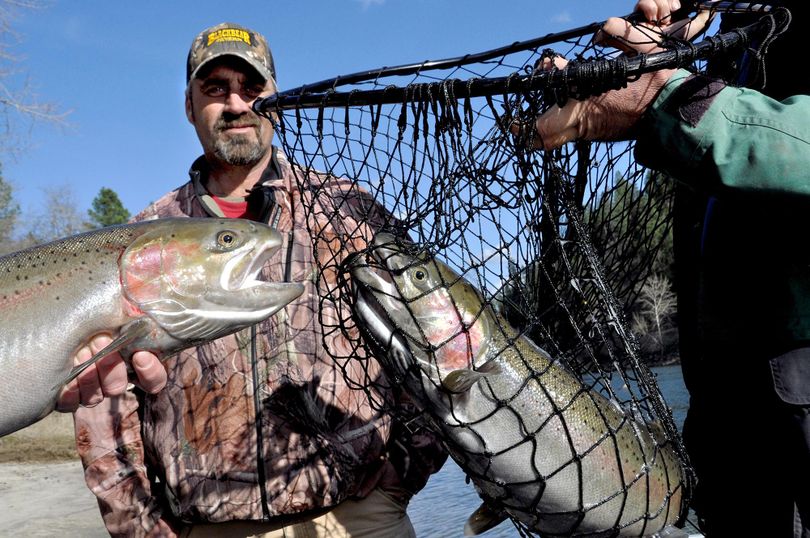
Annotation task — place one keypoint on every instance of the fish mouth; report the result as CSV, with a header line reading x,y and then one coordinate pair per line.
x,y
379,302
244,268
243,286
370,288
371,282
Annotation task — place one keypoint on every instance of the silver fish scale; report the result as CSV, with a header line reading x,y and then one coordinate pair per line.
x,y
546,452
51,296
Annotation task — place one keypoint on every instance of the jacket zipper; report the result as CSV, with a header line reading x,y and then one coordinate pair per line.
x,y
259,420
257,403
254,363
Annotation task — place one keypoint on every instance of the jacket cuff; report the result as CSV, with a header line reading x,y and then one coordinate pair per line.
x,y
671,133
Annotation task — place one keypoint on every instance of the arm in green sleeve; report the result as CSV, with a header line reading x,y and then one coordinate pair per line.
x,y
720,138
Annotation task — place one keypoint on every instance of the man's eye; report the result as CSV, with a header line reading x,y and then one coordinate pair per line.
x,y
215,91
254,91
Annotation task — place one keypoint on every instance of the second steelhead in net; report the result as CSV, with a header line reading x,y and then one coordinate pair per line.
x,y
160,285
539,445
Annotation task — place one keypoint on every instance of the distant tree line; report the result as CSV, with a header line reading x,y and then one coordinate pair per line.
x,y
629,231
59,216
637,220
20,110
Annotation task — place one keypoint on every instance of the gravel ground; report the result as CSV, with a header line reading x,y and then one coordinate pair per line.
x,y
47,499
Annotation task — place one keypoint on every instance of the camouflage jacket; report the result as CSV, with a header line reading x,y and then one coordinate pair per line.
x,y
194,452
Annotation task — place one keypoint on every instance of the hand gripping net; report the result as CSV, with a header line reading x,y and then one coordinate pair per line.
x,y
558,244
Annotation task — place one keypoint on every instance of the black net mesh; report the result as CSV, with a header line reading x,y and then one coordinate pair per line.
x,y
499,294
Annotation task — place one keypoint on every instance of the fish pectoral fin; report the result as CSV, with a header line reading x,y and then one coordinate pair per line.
x,y
400,355
483,519
129,333
463,379
491,367
459,381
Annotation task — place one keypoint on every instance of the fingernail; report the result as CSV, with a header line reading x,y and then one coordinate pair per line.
x,y
676,5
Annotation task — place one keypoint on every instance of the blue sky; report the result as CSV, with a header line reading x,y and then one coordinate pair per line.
x,y
119,67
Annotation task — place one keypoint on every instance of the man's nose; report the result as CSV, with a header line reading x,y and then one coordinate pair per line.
x,y
236,103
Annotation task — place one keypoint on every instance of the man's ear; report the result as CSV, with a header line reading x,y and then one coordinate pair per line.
x,y
189,108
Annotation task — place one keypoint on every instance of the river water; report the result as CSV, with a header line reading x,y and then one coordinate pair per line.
x,y
441,509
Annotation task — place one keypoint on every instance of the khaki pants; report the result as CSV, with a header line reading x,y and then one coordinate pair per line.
x,y
376,516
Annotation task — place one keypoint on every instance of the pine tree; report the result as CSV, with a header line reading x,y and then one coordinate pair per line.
x,y
107,209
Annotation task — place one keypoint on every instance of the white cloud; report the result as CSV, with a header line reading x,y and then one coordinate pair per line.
x,y
563,17
365,4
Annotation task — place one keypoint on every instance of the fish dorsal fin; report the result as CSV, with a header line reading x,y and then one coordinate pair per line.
x,y
462,380
129,334
483,519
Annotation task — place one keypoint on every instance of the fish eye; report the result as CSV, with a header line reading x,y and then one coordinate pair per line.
x,y
420,275
226,239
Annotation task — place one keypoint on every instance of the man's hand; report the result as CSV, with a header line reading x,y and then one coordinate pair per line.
x,y
611,115
108,377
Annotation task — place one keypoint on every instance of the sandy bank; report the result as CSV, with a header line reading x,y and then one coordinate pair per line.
x,y
47,499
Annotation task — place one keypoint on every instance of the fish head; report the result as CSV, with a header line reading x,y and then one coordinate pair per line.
x,y
198,278
407,298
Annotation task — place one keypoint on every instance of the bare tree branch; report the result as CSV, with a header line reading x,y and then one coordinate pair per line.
x,y
20,107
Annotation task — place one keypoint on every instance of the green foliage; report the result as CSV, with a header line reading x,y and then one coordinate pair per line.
x,y
107,209
632,226
629,228
9,211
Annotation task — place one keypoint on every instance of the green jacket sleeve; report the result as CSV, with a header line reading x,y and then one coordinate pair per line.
x,y
715,138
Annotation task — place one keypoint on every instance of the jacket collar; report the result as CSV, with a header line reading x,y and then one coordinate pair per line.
x,y
199,171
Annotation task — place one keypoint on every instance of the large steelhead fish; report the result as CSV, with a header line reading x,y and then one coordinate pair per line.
x,y
160,285
539,445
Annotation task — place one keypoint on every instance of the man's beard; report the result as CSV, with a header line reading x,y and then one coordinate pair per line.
x,y
239,150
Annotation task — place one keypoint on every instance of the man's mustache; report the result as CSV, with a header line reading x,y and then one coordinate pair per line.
x,y
223,124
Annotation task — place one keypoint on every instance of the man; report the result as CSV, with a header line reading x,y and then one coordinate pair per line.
x,y
261,432
742,161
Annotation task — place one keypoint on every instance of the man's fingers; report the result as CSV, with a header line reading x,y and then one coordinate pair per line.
x,y
150,371
111,370
89,384
112,373
557,126
629,37
68,400
632,38
108,376
547,62
687,29
657,11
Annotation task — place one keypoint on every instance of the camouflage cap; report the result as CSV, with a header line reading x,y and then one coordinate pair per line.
x,y
228,39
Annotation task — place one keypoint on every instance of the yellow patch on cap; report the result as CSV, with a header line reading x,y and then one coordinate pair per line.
x,y
228,34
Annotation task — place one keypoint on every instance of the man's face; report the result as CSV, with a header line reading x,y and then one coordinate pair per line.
x,y
218,104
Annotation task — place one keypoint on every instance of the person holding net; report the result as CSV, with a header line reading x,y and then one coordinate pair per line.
x,y
740,158
260,433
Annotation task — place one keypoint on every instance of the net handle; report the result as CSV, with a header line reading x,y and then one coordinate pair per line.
x,y
609,73
577,79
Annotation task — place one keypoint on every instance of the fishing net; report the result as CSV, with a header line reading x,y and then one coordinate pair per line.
x,y
559,245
